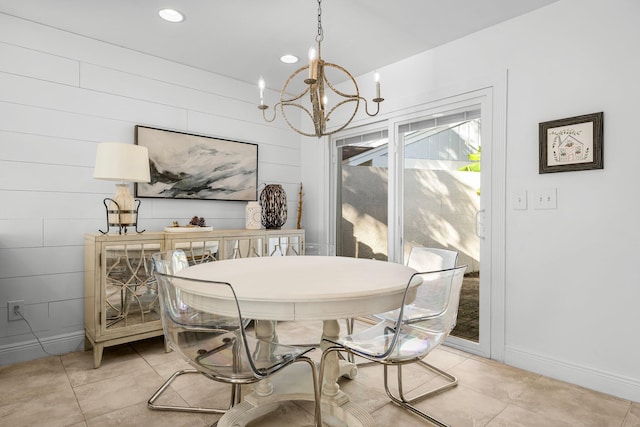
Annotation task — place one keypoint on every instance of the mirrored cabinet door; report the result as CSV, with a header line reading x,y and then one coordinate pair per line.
x,y
130,294
284,245
200,250
243,247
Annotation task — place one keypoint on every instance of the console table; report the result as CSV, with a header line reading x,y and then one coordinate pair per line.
x,y
120,296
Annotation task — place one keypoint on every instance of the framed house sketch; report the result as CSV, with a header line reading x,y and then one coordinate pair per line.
x,y
571,144
188,166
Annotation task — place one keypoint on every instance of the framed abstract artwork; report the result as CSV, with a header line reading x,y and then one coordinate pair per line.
x,y
189,166
571,144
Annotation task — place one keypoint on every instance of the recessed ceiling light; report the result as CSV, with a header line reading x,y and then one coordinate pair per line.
x,y
289,59
171,15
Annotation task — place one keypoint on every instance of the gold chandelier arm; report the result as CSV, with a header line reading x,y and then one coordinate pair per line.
x,y
342,94
264,109
294,104
366,106
286,85
295,98
355,110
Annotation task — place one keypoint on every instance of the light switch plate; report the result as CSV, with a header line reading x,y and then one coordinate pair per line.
x,y
545,199
520,200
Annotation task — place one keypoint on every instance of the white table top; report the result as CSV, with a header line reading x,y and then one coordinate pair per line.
x,y
303,287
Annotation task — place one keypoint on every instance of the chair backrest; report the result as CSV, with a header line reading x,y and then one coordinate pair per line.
x,y
214,342
429,259
432,311
170,262
322,249
209,332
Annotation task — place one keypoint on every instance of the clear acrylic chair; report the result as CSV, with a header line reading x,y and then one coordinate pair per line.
x,y
425,319
319,249
172,262
426,259
216,344
423,258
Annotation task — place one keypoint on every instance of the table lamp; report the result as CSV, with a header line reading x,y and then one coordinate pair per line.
x,y
125,163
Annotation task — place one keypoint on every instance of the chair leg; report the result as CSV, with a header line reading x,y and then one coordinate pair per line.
x,y
152,405
350,323
403,402
316,390
452,381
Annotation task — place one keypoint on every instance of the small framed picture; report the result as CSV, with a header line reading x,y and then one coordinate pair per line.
x,y
571,144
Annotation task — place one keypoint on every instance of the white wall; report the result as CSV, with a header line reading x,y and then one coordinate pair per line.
x,y
571,286
61,94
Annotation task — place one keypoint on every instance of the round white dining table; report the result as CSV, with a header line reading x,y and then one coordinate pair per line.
x,y
297,288
304,287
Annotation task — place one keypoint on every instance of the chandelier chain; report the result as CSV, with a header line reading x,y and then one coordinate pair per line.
x,y
320,35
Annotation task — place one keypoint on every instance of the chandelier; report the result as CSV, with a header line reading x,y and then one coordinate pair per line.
x,y
317,92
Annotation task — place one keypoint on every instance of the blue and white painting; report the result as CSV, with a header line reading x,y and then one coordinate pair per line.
x,y
186,166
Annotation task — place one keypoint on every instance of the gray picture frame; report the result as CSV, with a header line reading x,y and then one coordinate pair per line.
x,y
190,166
571,144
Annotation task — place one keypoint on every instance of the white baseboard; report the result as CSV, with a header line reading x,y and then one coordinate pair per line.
x,y
31,350
602,381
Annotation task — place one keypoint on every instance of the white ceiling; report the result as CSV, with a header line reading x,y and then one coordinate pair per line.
x,y
244,39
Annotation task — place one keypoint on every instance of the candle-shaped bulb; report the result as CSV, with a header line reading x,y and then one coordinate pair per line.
x,y
312,62
261,85
376,77
325,100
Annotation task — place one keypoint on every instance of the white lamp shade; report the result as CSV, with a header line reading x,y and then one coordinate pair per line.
x,y
116,161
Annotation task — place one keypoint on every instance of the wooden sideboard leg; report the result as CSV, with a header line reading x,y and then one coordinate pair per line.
x,y
97,355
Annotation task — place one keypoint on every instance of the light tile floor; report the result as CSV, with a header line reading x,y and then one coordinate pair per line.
x,y
66,391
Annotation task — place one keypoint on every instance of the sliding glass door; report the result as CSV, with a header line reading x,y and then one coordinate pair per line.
x,y
441,197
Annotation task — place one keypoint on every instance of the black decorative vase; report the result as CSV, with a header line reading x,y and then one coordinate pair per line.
x,y
274,206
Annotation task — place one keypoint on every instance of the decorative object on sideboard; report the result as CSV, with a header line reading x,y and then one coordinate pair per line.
x,y
273,199
125,163
253,216
317,80
195,224
200,222
299,222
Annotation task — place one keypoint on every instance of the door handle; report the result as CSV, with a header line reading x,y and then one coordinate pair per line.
x,y
477,224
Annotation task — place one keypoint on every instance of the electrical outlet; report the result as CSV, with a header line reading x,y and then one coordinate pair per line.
x,y
16,309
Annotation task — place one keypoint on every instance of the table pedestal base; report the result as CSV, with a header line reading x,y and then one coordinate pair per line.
x,y
337,411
